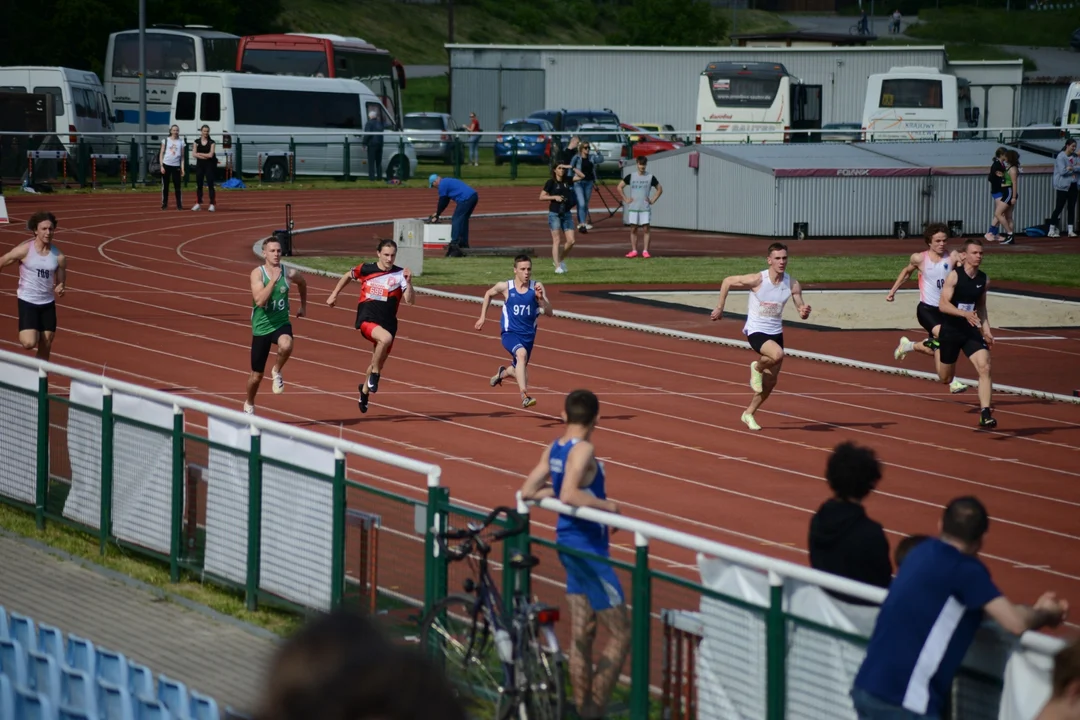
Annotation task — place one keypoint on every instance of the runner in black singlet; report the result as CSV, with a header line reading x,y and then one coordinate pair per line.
x,y
966,326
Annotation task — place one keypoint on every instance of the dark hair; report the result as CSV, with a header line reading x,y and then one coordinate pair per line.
x,y
907,545
972,241
39,217
1013,158
582,407
1066,668
1068,142
965,519
642,160
522,258
852,471
774,247
341,666
933,229
384,242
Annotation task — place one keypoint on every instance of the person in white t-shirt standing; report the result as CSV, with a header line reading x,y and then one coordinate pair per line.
x,y
42,272
171,158
764,329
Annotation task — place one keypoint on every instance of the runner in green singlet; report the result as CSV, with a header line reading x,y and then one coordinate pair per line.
x,y
270,283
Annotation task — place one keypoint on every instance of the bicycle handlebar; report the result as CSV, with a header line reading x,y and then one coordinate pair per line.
x,y
472,532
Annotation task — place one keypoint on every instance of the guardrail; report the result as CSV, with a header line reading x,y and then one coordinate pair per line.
x,y
277,514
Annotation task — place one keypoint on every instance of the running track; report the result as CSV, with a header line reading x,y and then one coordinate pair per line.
x,y
160,298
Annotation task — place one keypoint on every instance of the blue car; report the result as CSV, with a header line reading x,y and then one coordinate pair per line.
x,y
534,140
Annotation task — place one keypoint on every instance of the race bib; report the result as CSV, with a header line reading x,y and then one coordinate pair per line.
x,y
771,310
966,307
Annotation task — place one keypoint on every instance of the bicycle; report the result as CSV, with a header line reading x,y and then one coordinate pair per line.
x,y
502,665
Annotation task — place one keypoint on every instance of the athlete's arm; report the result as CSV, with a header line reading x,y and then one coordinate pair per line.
x,y
622,184
346,278
301,285
734,282
16,254
541,293
984,315
659,192
536,485
408,294
577,464
498,288
1014,173
904,276
796,295
1017,619
61,274
261,293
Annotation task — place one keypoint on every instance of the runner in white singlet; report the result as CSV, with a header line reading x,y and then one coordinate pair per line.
x,y
42,272
764,329
933,265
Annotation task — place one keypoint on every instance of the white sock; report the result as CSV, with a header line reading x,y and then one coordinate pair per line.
x,y
908,346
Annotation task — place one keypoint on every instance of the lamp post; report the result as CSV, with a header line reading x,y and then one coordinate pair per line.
x,y
142,92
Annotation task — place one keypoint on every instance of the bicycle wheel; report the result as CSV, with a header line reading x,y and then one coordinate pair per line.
x,y
466,651
545,670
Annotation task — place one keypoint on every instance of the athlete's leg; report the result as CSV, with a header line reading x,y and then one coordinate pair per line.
x,y
284,352
44,346
610,664
556,247
645,242
582,636
568,246
260,351
521,371
768,382
253,387
28,339
633,240
981,360
383,341
771,354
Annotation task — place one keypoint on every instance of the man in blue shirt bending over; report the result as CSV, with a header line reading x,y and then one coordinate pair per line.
x,y
929,619
464,198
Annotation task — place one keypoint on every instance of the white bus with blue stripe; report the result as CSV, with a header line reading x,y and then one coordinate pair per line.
x,y
170,50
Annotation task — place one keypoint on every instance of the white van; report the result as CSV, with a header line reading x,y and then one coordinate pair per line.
x,y
914,103
1070,111
265,112
78,98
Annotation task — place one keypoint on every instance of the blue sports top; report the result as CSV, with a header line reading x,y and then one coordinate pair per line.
x,y
455,190
571,531
521,312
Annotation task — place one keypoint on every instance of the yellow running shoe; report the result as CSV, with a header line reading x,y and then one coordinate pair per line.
x,y
957,387
527,402
900,353
750,421
755,378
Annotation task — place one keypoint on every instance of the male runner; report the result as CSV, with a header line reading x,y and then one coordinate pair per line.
x,y
593,591
383,285
764,328
520,315
42,272
270,318
932,265
966,325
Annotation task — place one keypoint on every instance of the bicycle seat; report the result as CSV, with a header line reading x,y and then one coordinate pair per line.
x,y
518,562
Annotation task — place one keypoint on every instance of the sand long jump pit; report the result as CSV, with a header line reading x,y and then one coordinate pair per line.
x,y
868,310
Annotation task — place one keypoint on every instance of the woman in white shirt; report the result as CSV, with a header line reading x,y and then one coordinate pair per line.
x,y
171,158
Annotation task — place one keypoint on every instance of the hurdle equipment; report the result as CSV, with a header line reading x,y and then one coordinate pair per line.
x,y
122,157
32,155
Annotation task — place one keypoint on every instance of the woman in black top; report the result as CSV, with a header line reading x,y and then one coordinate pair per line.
x,y
205,166
999,194
559,193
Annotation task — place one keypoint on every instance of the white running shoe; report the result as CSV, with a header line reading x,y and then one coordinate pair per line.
x,y
278,382
559,270
562,267
211,208
900,353
957,387
750,422
755,378
196,208
248,409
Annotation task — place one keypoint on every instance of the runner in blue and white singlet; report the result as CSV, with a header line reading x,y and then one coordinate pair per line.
x,y
523,299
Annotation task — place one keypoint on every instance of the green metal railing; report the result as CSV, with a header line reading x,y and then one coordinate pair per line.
x,y
169,493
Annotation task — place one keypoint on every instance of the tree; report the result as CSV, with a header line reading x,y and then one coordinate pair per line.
x,y
662,22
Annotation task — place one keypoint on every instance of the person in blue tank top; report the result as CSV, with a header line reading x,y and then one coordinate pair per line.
x,y
523,298
568,470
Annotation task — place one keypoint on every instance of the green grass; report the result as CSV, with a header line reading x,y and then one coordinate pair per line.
x,y
1051,270
82,545
756,21
426,94
976,25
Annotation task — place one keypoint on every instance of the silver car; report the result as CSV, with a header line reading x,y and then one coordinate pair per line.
x,y
608,140
429,145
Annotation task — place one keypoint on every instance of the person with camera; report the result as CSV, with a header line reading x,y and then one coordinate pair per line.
x,y
559,193
588,162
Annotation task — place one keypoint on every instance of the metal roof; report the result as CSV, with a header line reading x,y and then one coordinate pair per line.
x,y
685,49
959,157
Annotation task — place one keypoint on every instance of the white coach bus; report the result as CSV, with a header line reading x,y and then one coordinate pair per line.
x,y
79,103
755,102
270,114
916,103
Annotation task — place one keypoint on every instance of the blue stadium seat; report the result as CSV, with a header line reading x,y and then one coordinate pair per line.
x,y
78,691
114,703
3,623
13,662
203,707
51,642
81,655
140,680
231,714
72,714
43,676
175,696
7,697
112,667
30,705
23,629
152,709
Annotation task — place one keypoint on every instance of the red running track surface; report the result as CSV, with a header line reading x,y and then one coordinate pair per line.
x,y
161,299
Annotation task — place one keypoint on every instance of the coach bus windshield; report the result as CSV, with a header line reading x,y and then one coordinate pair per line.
x,y
729,89
303,63
166,55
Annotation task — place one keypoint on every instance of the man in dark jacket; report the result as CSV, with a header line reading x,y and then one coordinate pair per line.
x,y
374,142
843,540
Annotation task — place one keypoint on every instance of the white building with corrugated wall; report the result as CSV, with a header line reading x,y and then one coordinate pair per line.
x,y
660,84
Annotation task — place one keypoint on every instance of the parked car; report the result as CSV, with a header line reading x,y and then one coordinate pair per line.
x,y
570,120
429,146
664,132
645,143
534,140
610,141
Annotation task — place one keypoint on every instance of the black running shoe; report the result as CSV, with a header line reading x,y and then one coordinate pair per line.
x,y
364,397
987,420
497,378
373,382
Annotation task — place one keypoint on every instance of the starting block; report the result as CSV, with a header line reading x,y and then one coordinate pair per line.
x,y
436,235
122,157
32,155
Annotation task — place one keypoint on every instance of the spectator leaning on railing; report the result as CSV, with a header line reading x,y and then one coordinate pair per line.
x,y
935,605
843,539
